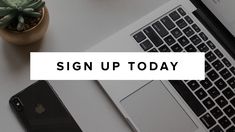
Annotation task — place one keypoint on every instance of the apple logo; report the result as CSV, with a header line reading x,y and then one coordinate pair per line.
x,y
39,109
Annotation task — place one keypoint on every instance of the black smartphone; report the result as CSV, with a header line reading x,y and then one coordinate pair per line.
x,y
40,109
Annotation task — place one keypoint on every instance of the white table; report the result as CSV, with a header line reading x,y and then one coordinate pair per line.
x,y
75,25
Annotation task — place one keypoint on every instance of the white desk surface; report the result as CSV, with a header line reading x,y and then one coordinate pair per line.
x,y
75,25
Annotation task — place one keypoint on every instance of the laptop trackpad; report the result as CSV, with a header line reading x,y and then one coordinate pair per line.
x,y
153,109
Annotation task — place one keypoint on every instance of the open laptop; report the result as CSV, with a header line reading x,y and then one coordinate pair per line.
x,y
179,106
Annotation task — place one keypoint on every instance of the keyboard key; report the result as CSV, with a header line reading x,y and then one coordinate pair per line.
x,y
216,129
231,82
232,70
210,56
176,33
169,40
206,83
161,30
177,48
211,45
208,121
153,50
164,48
203,48
188,19
229,111
216,112
218,53
203,36
231,129
224,122
233,120
196,40
146,45
225,73
233,102
220,84
201,94
213,92
226,62
196,28
153,36
193,85
221,101
181,11
218,65
213,75
208,102
207,66
168,22
188,97
190,48
174,15
139,37
228,93
181,23
188,31
183,41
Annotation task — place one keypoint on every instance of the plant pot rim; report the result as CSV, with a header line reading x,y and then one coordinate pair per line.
x,y
28,30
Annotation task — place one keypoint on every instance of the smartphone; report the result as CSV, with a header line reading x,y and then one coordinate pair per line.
x,y
40,109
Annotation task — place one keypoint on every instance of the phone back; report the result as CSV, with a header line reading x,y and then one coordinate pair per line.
x,y
40,110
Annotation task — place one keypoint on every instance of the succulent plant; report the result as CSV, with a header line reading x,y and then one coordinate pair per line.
x,y
17,10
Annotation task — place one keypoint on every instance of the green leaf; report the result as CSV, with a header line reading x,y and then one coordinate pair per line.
x,y
16,3
33,14
29,2
6,20
5,10
28,10
34,4
21,19
2,3
20,27
7,17
40,5
9,4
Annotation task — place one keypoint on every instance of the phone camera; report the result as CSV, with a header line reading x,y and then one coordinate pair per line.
x,y
17,104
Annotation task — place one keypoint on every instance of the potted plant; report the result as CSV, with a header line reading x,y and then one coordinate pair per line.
x,y
23,22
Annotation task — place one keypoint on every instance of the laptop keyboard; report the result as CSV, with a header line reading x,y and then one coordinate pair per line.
x,y
212,99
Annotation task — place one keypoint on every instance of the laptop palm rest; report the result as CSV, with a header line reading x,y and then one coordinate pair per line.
x,y
153,108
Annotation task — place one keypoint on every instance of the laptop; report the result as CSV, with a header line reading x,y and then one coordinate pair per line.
x,y
184,105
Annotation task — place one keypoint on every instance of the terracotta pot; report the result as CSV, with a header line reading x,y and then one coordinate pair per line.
x,y
29,36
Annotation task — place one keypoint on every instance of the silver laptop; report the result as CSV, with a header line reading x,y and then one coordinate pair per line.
x,y
187,105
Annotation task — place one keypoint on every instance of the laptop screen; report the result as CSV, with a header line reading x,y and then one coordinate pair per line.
x,y
224,10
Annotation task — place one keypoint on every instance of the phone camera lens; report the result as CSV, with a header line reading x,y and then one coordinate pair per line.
x,y
17,104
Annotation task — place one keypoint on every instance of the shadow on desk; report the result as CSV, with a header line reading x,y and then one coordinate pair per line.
x,y
18,57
